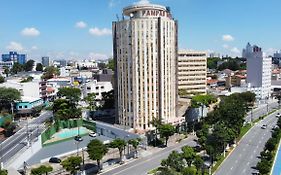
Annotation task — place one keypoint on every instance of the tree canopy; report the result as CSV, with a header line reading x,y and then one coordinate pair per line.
x,y
119,144
7,96
72,164
28,66
96,150
17,67
2,79
166,130
206,100
50,72
70,93
41,170
111,64
39,67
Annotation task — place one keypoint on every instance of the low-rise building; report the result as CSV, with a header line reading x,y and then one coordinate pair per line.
x,y
27,104
98,88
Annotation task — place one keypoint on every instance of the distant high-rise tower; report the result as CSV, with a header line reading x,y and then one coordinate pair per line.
x,y
145,53
45,61
258,71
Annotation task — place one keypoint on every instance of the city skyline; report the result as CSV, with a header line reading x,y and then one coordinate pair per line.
x,y
83,29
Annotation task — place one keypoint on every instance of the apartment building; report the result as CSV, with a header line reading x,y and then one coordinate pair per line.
x,y
192,72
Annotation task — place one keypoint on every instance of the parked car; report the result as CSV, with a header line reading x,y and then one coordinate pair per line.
x,y
54,160
93,134
264,126
78,138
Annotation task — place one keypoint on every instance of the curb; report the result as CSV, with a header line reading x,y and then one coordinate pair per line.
x,y
240,141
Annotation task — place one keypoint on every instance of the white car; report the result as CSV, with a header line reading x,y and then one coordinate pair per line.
x,y
93,134
264,126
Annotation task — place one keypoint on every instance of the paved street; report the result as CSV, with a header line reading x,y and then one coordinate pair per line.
x,y
142,165
261,110
61,148
245,156
15,143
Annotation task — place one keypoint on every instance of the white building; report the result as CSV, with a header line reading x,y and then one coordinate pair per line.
x,y
192,71
98,88
87,64
145,52
258,71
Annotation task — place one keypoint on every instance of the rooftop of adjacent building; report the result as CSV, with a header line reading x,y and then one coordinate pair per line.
x,y
190,53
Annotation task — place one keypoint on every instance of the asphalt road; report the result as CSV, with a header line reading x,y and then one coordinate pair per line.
x,y
61,148
261,110
142,165
244,158
16,142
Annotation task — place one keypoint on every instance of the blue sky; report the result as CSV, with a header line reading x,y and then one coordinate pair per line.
x,y
82,28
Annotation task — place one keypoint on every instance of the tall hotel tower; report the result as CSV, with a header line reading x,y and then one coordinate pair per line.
x,y
145,54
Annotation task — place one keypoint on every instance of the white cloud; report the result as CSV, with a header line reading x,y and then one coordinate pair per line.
x,y
111,3
270,51
30,32
97,56
142,2
227,37
235,50
99,32
225,46
81,24
14,46
34,48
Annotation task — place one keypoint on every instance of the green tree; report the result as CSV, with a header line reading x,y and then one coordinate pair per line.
x,y
96,150
111,64
91,99
120,145
70,93
2,79
8,96
198,162
166,130
108,99
17,67
39,67
212,62
205,100
188,154
271,144
41,170
28,66
6,71
72,164
264,167
3,172
135,143
173,161
167,171
189,171
50,72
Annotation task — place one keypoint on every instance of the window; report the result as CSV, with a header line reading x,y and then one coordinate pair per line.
x,y
97,93
25,106
20,107
102,87
97,87
88,88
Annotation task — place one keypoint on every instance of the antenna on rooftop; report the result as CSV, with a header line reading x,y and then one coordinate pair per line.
x,y
117,17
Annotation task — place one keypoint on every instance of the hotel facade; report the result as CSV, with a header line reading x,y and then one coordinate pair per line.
x,y
145,54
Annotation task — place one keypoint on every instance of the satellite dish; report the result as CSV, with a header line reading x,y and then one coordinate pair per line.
x,y
131,15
